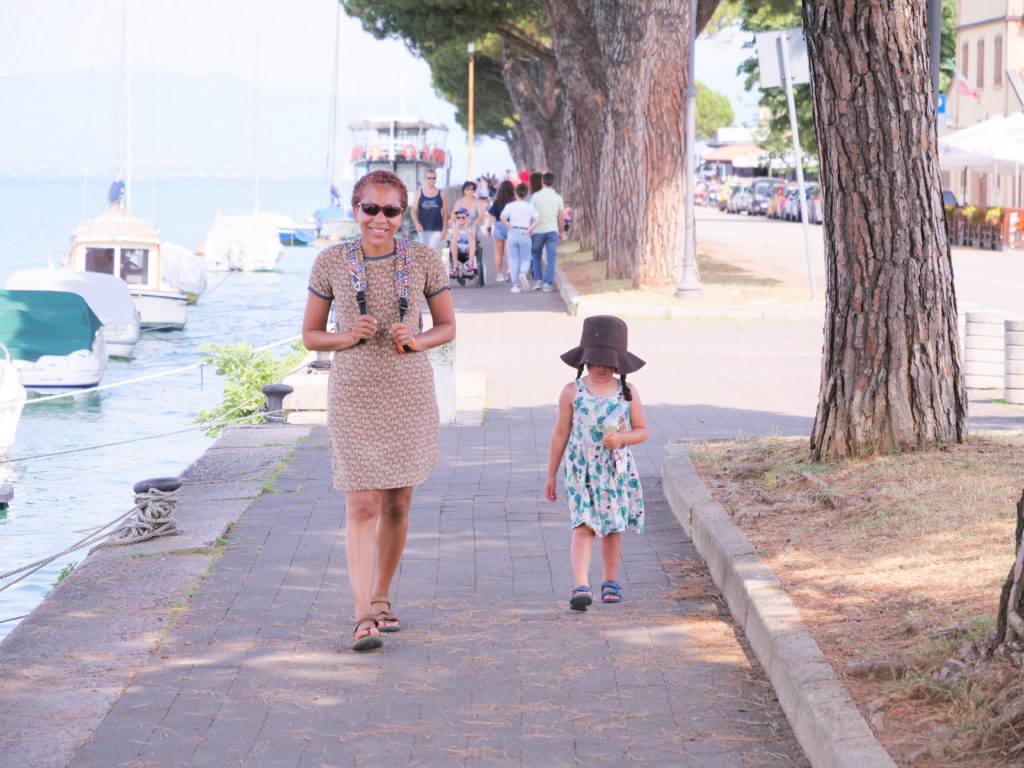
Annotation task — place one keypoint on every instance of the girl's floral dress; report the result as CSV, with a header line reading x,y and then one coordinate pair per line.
x,y
602,486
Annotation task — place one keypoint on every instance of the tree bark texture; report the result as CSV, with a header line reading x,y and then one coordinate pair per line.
x,y
1009,622
891,370
537,96
623,68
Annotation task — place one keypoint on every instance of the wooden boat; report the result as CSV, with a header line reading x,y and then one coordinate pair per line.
x,y
120,245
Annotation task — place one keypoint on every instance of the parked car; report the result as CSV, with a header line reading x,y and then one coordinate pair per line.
x,y
812,193
762,190
739,200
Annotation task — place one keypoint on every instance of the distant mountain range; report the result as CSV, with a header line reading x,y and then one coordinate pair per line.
x,y
65,124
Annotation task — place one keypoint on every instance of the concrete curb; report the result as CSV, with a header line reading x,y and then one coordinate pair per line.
x,y
828,725
579,305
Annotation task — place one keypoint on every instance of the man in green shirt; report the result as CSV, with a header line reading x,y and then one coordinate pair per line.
x,y
547,233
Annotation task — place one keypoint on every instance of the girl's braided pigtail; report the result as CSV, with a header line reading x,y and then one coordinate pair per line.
x,y
625,388
579,372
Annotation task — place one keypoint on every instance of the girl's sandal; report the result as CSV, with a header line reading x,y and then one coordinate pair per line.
x,y
581,597
611,592
365,636
386,620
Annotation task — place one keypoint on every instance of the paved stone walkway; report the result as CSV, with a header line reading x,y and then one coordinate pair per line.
x,y
491,667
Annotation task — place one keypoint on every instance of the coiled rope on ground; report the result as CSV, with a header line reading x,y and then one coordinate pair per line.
x,y
151,516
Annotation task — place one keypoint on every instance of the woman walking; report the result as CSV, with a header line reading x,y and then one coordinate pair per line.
x,y
382,414
496,227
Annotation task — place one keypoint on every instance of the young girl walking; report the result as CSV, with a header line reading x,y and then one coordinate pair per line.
x,y
599,417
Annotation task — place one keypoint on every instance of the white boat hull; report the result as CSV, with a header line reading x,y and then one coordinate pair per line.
x,y
12,400
120,340
160,310
78,370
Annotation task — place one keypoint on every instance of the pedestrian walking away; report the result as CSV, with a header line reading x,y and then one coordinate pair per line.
x,y
382,416
547,234
599,417
519,218
498,229
429,212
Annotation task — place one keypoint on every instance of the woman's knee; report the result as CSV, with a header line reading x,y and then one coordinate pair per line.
x,y
395,504
363,506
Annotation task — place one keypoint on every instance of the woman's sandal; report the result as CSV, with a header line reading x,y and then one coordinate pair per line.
x,y
363,634
386,620
611,592
581,597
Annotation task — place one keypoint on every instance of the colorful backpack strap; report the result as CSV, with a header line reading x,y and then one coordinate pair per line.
x,y
403,267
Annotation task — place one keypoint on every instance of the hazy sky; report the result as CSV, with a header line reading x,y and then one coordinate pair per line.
x,y
295,44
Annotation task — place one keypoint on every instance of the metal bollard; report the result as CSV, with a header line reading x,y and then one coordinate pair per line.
x,y
276,394
165,484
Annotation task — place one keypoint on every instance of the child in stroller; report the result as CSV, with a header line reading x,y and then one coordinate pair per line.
x,y
465,252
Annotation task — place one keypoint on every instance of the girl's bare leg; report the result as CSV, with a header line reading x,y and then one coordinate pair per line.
x,y
611,552
499,257
582,546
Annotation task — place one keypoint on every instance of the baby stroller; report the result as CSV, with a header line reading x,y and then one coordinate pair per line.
x,y
458,267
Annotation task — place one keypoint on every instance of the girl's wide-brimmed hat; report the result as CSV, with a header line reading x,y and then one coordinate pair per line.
x,y
603,342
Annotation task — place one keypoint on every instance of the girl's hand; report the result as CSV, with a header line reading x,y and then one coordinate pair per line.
x,y
363,327
401,334
549,490
614,440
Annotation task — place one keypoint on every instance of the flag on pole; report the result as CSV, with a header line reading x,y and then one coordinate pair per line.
x,y
965,85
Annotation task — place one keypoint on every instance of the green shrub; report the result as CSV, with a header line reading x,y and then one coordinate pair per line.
x,y
247,371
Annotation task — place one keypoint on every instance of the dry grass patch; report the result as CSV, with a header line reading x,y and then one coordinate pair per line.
x,y
894,562
722,282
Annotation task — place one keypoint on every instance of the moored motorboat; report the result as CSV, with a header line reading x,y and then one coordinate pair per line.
x,y
107,296
243,243
184,269
296,234
53,338
12,399
120,245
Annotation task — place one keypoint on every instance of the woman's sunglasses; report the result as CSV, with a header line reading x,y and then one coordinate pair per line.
x,y
372,209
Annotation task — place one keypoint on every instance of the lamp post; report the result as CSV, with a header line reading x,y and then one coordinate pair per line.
x,y
689,284
469,122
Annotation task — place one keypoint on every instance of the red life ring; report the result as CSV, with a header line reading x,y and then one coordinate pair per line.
x,y
408,151
376,150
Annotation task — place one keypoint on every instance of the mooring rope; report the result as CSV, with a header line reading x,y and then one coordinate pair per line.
x,y
151,516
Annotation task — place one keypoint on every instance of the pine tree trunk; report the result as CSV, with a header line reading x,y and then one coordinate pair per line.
x,y
1009,622
623,67
891,373
537,96
581,72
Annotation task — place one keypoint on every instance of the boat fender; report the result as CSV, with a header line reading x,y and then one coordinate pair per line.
x,y
376,150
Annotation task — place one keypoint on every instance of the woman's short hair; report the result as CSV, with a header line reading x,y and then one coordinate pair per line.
x,y
384,179
522,190
468,185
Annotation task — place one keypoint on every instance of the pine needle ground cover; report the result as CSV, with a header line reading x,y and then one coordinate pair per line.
x,y
895,564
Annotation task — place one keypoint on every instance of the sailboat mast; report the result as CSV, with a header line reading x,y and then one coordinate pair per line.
x,y
256,126
125,161
332,122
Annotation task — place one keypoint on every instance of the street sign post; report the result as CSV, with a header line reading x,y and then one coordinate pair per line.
x,y
782,58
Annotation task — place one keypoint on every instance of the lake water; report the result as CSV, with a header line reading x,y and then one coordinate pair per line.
x,y
58,496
